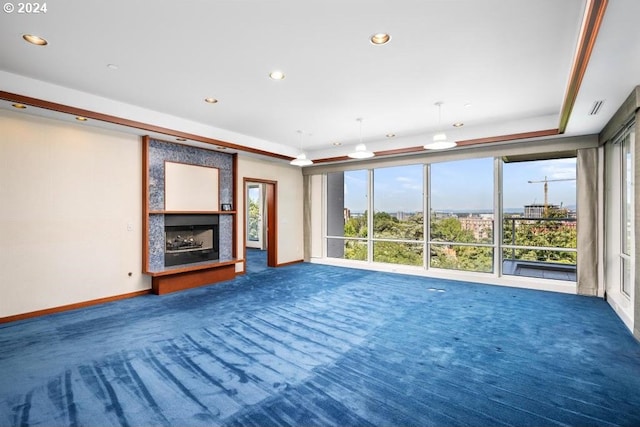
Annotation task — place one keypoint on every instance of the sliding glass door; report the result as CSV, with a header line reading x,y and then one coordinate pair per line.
x,y
539,219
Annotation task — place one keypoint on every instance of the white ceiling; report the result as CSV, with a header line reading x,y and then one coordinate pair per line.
x,y
509,59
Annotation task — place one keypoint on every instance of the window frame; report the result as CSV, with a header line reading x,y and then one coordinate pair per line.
x,y
627,224
544,149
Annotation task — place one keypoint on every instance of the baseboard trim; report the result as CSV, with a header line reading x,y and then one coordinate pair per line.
x,y
75,306
284,264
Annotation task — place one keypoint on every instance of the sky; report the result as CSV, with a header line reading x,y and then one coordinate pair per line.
x,y
463,185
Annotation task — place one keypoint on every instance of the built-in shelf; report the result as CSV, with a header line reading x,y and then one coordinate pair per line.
x,y
179,278
184,159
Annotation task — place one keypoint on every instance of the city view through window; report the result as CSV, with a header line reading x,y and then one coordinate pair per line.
x,y
538,230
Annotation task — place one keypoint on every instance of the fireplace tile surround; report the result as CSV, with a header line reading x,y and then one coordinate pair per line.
x,y
160,152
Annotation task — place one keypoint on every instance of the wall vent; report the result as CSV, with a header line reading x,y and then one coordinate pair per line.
x,y
595,109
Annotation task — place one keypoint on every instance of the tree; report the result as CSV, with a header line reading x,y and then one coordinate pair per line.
x,y
542,232
450,230
356,226
253,220
451,255
457,257
384,225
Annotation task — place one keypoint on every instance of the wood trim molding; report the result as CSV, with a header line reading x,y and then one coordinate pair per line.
x,y
234,201
461,143
272,224
593,16
331,159
75,306
67,109
244,224
145,204
407,150
396,151
272,219
506,138
284,264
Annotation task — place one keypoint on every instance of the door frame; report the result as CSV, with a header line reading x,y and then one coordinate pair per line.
x,y
271,191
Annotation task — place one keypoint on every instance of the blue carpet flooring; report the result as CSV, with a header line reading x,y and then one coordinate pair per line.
x,y
310,345
256,260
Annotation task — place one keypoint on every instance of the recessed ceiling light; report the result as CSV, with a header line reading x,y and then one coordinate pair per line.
x,y
337,144
112,66
467,105
81,119
276,75
19,106
210,100
219,147
458,125
390,135
380,38
39,41
181,139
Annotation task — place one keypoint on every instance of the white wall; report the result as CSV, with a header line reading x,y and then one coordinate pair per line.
x,y
289,205
70,213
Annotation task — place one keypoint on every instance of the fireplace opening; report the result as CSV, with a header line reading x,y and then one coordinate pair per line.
x,y
191,238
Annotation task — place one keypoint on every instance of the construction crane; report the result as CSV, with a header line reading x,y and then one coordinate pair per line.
x,y
546,189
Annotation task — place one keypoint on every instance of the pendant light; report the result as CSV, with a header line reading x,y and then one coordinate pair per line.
x,y
440,141
301,160
361,150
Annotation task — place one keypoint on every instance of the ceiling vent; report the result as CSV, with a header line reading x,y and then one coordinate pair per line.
x,y
595,109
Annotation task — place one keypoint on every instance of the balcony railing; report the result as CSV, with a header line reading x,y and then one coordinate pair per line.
x,y
540,247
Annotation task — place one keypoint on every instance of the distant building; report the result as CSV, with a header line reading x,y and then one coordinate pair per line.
x,y
347,214
403,216
442,215
480,226
538,211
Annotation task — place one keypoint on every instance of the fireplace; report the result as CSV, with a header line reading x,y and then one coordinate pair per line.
x,y
191,238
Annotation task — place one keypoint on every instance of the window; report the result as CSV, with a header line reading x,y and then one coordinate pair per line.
x,y
539,235
462,218
626,210
528,229
398,220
